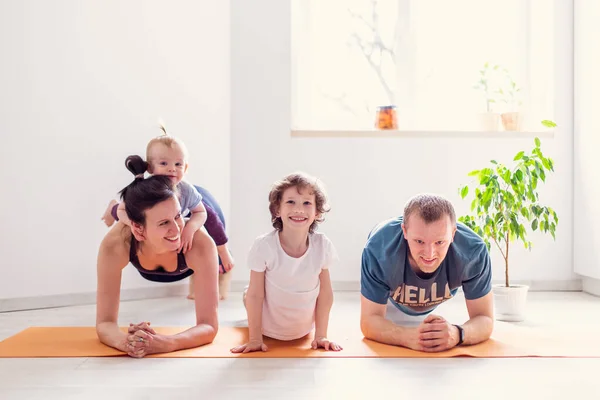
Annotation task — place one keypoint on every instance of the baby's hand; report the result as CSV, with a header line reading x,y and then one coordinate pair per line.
x,y
256,345
326,344
187,237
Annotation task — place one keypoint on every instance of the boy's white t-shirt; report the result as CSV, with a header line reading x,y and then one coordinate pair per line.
x,y
291,284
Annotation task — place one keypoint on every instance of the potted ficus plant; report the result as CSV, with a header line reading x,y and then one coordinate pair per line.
x,y
506,208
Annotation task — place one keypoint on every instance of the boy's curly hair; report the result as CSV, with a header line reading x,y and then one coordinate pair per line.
x,y
300,180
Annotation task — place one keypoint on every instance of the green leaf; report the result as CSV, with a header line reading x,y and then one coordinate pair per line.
x,y
519,155
464,192
473,173
549,124
534,224
537,142
519,175
546,163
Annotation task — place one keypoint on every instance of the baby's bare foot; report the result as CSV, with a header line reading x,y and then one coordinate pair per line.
x,y
108,218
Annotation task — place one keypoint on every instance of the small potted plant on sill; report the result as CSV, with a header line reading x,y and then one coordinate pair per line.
x,y
509,94
487,83
506,207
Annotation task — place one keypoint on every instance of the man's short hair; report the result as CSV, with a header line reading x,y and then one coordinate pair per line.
x,y
430,208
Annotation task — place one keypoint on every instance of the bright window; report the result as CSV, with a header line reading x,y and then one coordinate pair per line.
x,y
424,57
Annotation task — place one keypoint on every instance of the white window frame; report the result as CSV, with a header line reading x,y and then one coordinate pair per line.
x,y
538,94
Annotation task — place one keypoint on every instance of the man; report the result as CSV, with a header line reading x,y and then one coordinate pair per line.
x,y
413,263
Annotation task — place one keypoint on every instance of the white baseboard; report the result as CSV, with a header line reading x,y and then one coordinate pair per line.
x,y
571,285
591,285
588,285
78,299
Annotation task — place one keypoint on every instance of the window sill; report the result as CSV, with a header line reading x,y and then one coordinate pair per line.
x,y
548,134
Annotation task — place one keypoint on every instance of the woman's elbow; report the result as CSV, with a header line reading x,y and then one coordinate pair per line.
x,y
213,329
210,329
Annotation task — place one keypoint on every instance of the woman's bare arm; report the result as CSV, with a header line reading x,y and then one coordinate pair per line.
x,y
113,256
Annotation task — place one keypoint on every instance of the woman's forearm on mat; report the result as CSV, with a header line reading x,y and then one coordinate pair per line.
x,y
194,337
324,303
254,305
478,329
110,334
380,329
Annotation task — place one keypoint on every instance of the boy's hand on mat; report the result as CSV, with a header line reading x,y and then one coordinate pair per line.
x,y
187,237
436,334
251,346
325,344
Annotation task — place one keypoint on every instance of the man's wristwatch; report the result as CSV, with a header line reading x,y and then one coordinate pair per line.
x,y
461,334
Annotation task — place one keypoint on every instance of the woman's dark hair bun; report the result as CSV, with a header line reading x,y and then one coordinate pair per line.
x,y
136,165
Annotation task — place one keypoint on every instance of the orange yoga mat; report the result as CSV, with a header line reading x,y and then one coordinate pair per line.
x,y
82,342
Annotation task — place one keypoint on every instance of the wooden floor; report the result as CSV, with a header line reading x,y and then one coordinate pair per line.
x,y
566,313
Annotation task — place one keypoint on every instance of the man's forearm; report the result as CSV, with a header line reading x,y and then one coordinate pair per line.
x,y
382,330
478,329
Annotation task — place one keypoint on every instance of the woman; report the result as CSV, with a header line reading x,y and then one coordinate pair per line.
x,y
151,246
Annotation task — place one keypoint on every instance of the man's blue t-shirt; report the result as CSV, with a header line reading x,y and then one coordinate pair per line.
x,y
386,273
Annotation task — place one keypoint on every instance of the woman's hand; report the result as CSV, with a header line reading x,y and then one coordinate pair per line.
x,y
142,326
142,340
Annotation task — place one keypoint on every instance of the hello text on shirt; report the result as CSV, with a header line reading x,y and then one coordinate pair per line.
x,y
419,297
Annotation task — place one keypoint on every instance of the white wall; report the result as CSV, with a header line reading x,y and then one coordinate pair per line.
x,y
370,179
82,85
587,140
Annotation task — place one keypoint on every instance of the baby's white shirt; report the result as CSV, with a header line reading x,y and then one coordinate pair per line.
x,y
291,284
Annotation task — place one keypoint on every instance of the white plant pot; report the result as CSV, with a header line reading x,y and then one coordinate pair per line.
x,y
510,302
489,122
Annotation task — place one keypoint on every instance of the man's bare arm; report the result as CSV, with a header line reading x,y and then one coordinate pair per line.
x,y
376,327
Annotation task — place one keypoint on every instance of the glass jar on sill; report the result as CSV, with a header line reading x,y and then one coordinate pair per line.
x,y
386,118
